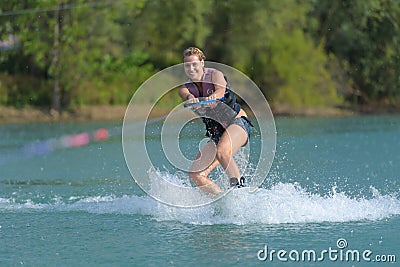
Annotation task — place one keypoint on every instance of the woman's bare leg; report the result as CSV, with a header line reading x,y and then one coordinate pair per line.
x,y
205,162
211,155
231,141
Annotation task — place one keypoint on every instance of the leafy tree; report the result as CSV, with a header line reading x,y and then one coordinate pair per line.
x,y
300,53
164,28
364,34
70,41
266,39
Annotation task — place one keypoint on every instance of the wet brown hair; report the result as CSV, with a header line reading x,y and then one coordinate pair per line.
x,y
194,51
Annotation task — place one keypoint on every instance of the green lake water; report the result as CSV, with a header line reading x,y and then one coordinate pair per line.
x,y
333,188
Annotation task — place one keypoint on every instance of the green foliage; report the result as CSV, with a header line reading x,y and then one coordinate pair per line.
x,y
84,40
301,68
282,60
164,28
364,34
120,79
23,90
301,53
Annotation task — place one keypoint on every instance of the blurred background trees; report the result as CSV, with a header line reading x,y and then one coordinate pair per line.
x,y
304,53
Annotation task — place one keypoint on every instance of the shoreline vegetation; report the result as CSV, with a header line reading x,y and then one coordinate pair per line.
x,y
308,58
31,114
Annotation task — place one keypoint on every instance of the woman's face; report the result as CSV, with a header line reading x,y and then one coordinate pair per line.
x,y
193,67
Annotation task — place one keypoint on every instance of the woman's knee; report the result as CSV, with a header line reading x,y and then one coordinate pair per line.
x,y
198,178
224,152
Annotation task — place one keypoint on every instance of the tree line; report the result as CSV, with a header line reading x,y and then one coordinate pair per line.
x,y
301,53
